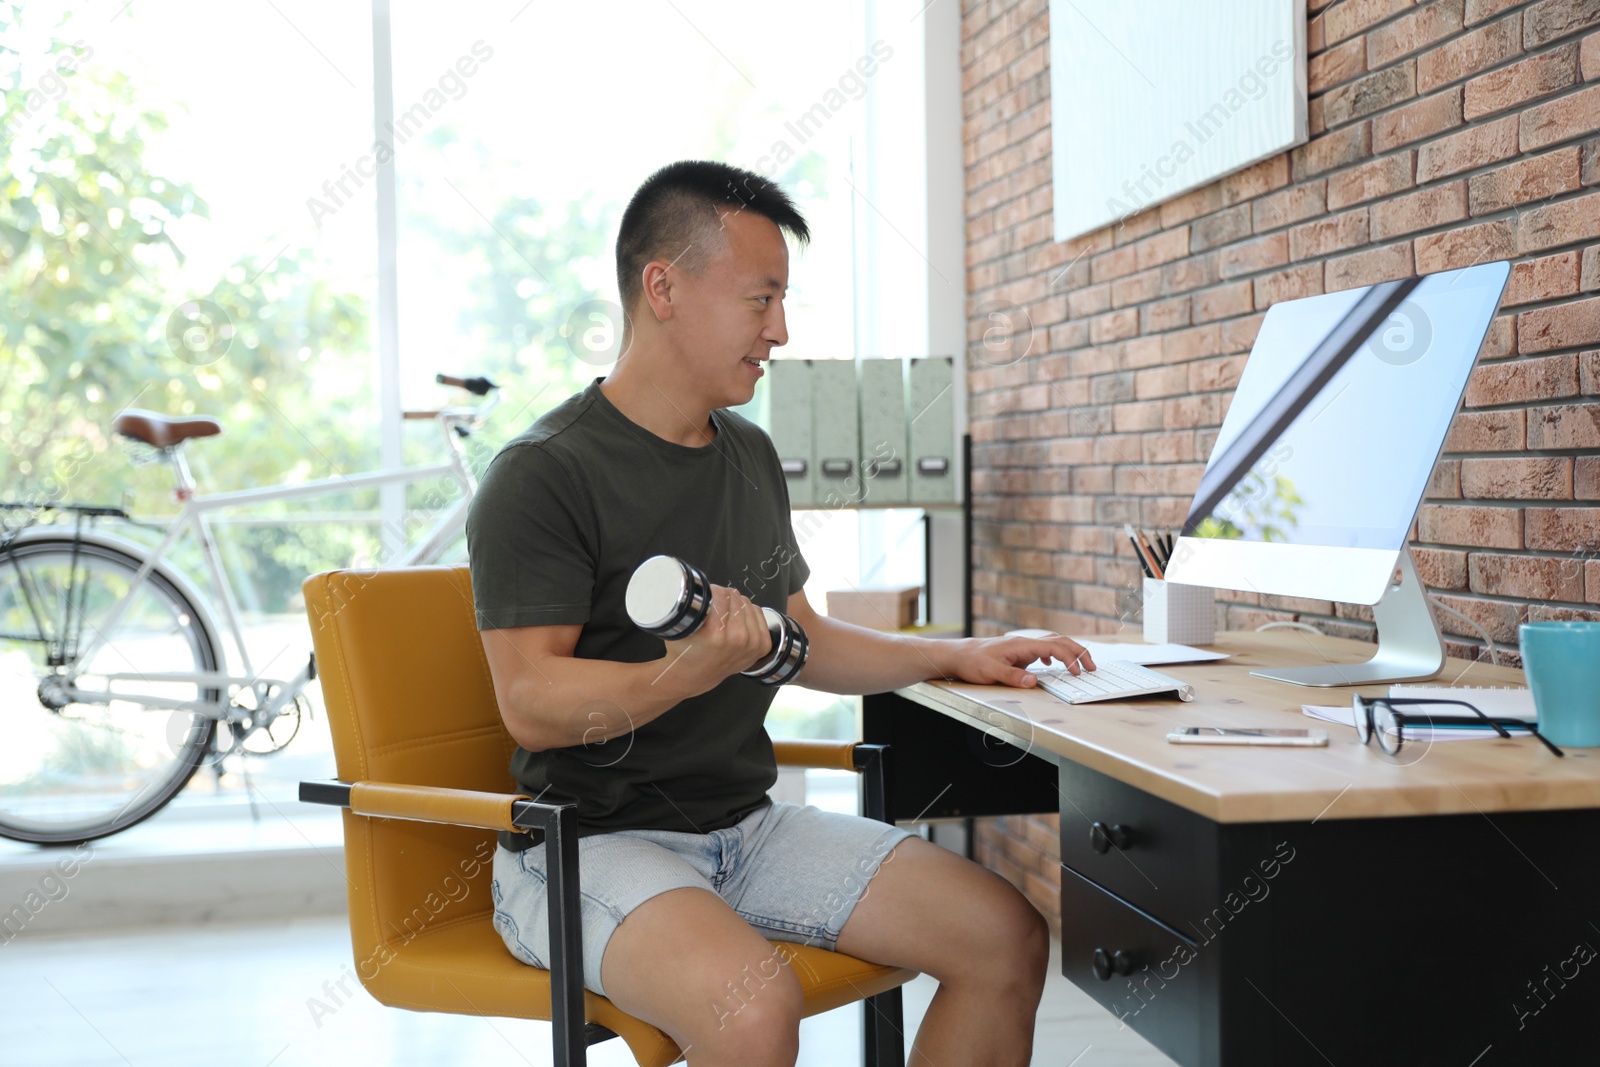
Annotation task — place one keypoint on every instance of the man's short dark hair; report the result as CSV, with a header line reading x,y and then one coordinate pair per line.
x,y
676,215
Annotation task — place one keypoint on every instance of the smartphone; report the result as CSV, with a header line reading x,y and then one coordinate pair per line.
x,y
1221,735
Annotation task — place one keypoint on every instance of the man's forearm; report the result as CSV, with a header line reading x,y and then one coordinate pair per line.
x,y
853,659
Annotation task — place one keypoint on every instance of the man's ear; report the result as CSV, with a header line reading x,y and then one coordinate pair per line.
x,y
659,288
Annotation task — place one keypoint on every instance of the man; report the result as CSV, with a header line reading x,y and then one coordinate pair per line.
x,y
686,866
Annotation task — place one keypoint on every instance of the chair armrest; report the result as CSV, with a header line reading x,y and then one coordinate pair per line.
x,y
420,803
499,811
868,760
839,755
426,803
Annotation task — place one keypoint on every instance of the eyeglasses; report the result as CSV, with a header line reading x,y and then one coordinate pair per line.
x,y
1377,715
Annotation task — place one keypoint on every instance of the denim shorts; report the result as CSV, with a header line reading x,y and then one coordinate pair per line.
x,y
793,872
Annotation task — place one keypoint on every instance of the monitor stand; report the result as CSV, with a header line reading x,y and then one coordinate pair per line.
x,y
1409,646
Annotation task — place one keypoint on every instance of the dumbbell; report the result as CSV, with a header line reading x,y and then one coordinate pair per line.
x,y
670,599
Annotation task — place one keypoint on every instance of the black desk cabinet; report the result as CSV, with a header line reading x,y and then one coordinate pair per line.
x,y
1452,940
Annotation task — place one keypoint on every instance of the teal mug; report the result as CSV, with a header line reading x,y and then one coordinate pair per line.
x,y
1562,664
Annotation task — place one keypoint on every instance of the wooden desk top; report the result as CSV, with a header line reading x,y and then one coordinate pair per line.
x,y
1346,780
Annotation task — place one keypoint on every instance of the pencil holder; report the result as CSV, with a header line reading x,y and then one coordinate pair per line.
x,y
1179,614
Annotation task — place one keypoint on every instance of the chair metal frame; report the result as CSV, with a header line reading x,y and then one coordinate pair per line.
x,y
883,1041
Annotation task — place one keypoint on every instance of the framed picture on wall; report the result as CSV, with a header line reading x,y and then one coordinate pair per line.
x,y
1150,100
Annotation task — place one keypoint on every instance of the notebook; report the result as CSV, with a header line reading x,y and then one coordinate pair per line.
x,y
1346,716
1497,702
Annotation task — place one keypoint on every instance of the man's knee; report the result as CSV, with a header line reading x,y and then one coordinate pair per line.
x,y
1028,938
1033,938
756,1019
686,962
1020,939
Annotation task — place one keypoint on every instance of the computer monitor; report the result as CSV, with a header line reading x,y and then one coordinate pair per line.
x,y
1326,450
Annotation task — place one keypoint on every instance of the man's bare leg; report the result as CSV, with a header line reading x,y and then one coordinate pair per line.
x,y
945,916
687,963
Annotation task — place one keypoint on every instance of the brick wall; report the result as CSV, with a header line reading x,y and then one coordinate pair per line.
x,y
1442,134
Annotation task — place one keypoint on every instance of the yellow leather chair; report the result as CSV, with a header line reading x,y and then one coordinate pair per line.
x,y
423,764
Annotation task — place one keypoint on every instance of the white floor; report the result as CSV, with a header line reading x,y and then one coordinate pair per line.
x,y
242,996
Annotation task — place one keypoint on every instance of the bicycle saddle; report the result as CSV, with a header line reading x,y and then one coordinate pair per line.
x,y
163,431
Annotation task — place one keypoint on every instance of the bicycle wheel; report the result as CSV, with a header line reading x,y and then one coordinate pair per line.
x,y
75,771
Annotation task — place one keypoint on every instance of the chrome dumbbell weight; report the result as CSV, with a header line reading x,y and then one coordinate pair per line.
x,y
670,598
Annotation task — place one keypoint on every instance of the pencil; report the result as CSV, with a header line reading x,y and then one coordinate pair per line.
x,y
1158,548
1155,560
1142,564
1146,556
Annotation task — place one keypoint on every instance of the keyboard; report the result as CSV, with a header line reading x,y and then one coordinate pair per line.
x,y
1112,681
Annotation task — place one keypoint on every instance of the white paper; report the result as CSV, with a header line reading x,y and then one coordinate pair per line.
x,y
1497,702
1346,716
1106,651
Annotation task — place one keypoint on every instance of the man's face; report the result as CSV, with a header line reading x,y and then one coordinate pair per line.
x,y
728,317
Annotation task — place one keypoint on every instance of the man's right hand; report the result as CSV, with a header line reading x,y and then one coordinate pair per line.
x,y
733,638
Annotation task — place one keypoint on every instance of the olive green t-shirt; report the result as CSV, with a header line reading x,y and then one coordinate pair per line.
x,y
564,514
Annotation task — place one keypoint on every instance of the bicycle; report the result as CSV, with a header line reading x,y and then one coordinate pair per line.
x,y
98,636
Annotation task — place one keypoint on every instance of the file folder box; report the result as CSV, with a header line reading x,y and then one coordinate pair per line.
x,y
932,430
789,418
883,432
836,441
875,607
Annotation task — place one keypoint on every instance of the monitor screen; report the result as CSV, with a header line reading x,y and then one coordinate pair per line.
x,y
1341,411
1331,436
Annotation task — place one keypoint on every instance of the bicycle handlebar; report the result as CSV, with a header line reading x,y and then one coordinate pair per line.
x,y
479,386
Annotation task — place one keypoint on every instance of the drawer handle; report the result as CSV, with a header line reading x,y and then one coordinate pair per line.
x,y
1108,963
1102,837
